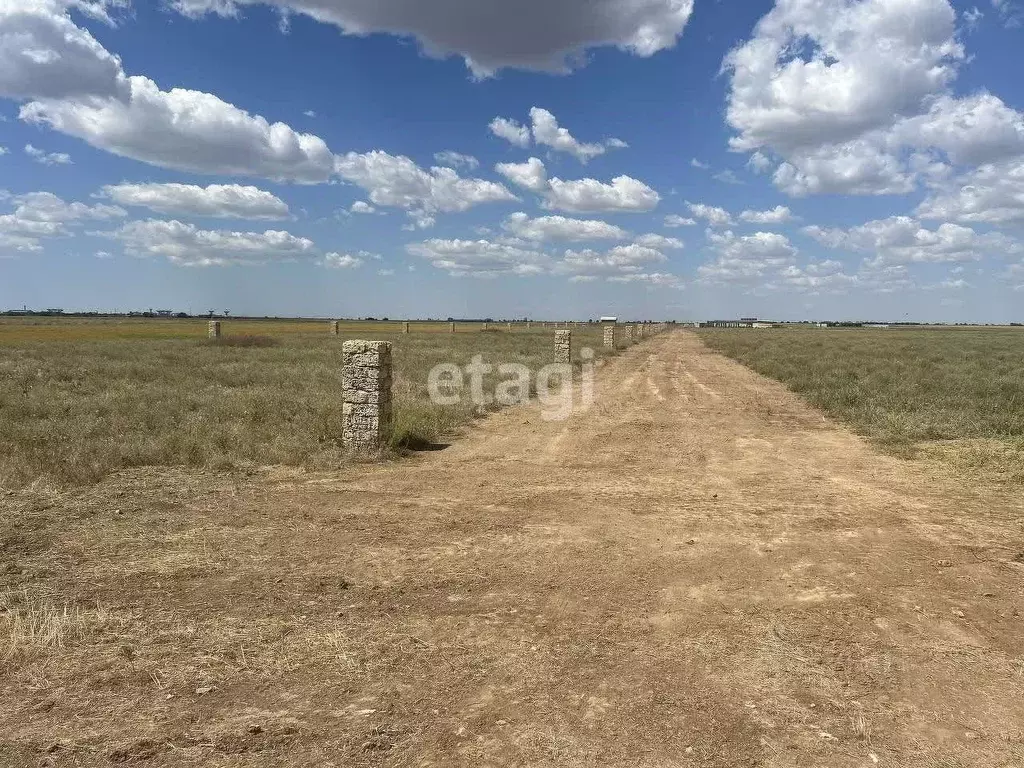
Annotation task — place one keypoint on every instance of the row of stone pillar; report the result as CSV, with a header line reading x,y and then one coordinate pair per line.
x,y
367,378
632,331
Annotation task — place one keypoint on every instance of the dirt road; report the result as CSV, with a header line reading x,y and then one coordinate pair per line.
x,y
700,571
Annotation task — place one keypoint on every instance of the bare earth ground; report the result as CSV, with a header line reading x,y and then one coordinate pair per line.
x,y
701,571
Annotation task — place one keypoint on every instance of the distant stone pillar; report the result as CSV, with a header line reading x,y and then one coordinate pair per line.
x,y
487,326
609,336
213,329
563,346
333,327
629,333
366,394
405,327
529,325
451,327
508,327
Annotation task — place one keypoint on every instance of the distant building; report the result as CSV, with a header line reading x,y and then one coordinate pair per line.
x,y
609,319
727,324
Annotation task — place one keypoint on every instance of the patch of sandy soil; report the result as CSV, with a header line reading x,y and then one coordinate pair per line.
x,y
698,571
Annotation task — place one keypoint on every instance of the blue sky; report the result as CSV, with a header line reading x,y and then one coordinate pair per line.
x,y
547,158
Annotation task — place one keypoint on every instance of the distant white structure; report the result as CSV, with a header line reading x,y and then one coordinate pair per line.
x,y
609,319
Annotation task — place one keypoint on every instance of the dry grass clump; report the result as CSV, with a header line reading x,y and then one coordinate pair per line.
x,y
31,625
73,411
902,388
243,340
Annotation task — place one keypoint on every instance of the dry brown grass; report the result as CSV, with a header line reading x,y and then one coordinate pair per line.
x,y
956,393
80,399
566,594
33,625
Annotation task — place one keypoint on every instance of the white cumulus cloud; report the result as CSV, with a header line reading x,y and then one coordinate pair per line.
x,y
47,158
747,258
659,242
335,260
624,193
844,92
991,194
45,55
480,258
780,214
674,221
40,215
189,131
511,131
187,245
536,35
550,228
398,182
903,240
581,195
713,215
531,175
216,200
547,132
73,85
457,160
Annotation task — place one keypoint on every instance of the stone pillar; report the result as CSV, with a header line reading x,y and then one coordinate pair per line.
x,y
487,326
213,329
333,327
451,328
508,327
629,333
563,346
405,327
609,336
366,394
529,325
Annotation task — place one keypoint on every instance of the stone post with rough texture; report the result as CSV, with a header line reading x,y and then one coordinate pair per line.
x,y
213,329
405,327
529,325
333,327
451,328
609,336
563,346
629,333
508,327
366,394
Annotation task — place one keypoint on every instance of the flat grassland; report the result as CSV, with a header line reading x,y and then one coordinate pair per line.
x,y
953,392
698,571
80,399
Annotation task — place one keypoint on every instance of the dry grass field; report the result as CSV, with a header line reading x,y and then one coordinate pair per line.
x,y
82,398
951,392
700,571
